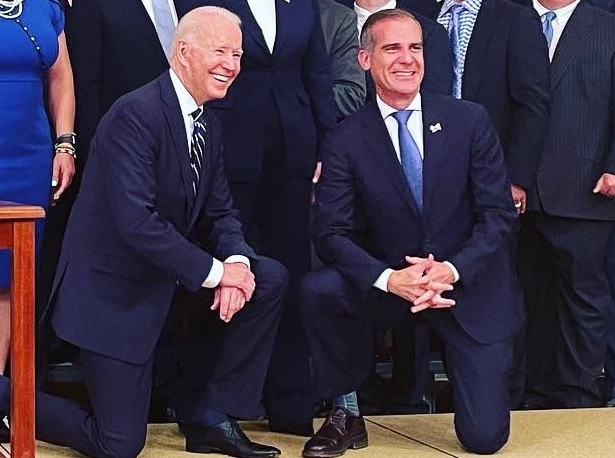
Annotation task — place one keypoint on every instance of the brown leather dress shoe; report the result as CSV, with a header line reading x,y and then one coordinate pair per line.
x,y
339,432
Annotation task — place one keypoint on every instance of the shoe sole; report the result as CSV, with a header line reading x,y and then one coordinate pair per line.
x,y
204,450
355,445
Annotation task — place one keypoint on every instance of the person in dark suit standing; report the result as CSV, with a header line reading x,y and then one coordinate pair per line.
x,y
156,172
438,58
339,27
493,67
273,119
116,46
413,201
572,210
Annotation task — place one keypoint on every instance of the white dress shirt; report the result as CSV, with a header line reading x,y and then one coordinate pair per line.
x,y
188,105
562,15
415,126
150,10
363,14
264,13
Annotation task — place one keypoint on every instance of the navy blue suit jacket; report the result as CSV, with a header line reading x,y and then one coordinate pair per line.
x,y
296,76
366,220
129,241
437,53
507,71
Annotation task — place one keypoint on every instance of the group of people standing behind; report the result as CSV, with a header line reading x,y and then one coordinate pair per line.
x,y
453,162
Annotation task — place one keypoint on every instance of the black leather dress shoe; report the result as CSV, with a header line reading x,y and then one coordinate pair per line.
x,y
339,432
225,438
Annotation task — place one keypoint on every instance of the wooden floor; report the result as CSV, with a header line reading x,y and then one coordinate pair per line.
x,y
542,434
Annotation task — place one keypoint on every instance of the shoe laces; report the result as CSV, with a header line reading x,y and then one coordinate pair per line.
x,y
337,419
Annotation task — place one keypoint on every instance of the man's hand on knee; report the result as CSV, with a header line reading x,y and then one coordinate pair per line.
x,y
238,275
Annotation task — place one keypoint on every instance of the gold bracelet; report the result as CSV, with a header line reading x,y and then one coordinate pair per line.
x,y
69,151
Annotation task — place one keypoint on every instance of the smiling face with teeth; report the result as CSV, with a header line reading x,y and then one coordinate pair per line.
x,y
393,53
209,58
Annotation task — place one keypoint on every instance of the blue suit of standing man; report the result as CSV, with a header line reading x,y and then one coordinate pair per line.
x,y
379,224
154,175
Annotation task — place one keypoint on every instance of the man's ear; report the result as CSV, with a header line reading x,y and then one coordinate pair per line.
x,y
182,50
363,58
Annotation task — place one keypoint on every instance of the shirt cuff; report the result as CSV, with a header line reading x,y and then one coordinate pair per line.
x,y
215,275
454,269
383,280
217,270
238,258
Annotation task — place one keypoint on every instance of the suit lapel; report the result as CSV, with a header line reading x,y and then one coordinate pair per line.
x,y
138,14
380,147
173,114
434,129
283,14
571,44
484,28
249,25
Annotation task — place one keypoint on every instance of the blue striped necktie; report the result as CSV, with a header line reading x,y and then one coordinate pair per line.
x,y
454,34
547,26
410,157
197,147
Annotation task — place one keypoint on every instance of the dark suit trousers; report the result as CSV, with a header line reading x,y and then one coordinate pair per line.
x,y
609,363
119,392
221,366
116,425
339,322
568,305
274,212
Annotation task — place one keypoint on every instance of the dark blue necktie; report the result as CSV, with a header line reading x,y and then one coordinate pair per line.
x,y
197,147
547,26
410,157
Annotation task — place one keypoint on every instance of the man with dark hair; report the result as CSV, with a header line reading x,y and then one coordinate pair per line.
x,y
413,214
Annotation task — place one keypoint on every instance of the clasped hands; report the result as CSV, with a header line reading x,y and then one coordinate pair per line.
x,y
234,290
422,283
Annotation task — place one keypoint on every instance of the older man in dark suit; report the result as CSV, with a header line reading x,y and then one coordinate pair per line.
x,y
410,177
572,210
154,176
115,46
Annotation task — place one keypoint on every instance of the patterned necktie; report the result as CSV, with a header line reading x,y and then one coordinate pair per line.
x,y
165,27
197,146
547,26
410,157
454,34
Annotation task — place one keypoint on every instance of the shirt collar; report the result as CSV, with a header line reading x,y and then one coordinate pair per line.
x,y
387,110
186,102
363,14
473,6
560,13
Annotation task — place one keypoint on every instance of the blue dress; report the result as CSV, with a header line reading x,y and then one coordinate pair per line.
x,y
25,137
